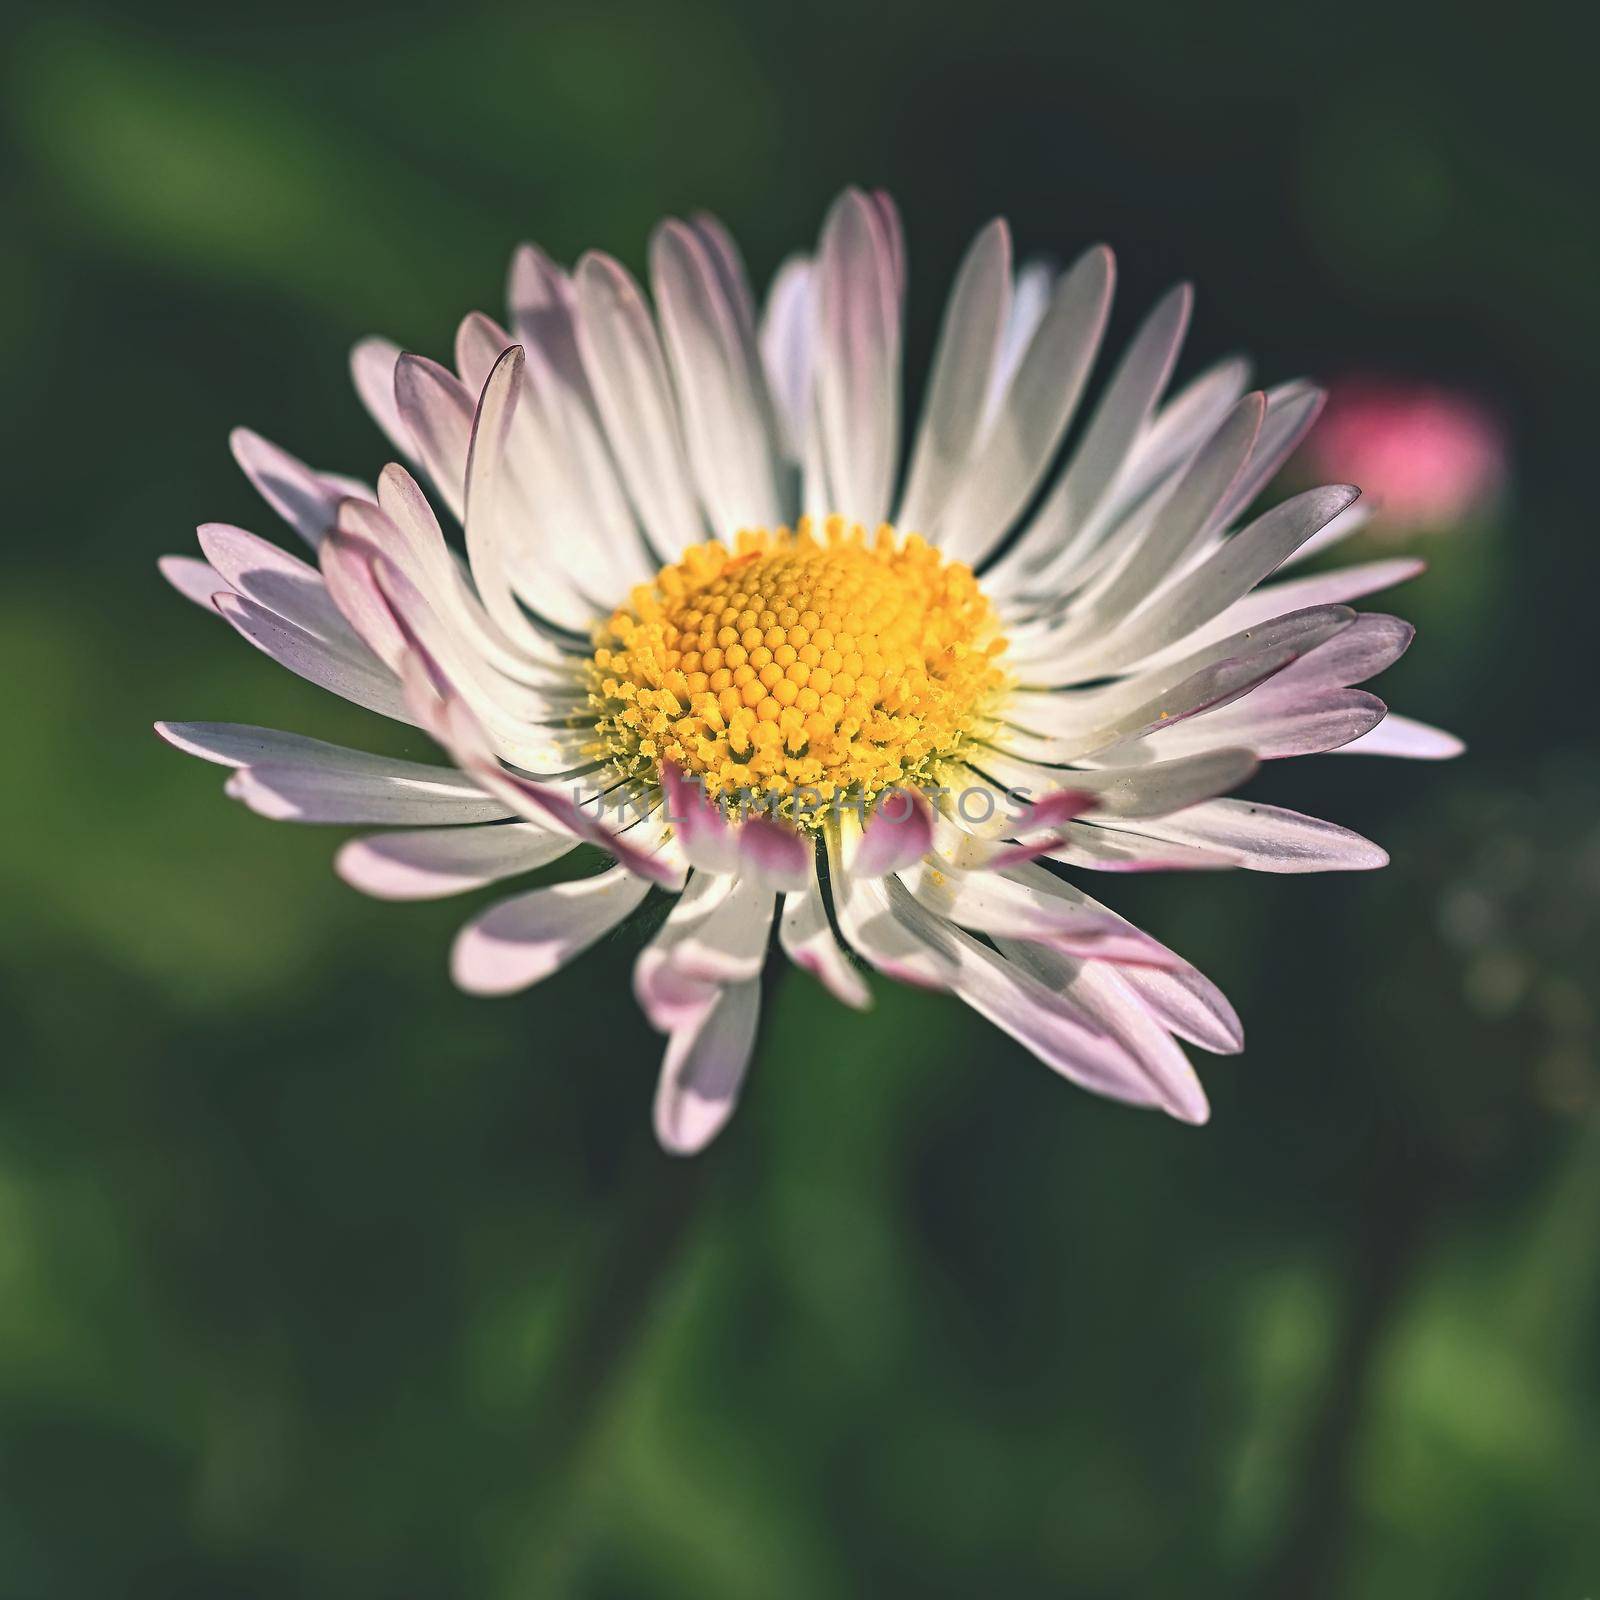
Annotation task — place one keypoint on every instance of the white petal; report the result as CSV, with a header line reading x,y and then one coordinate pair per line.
x,y
480,342
1030,299
433,862
1348,522
522,651
1401,736
1178,428
1145,791
1187,1003
1291,410
542,304
858,358
1178,995
437,411
704,1069
1170,439
808,941
489,506
1279,599
576,502
321,661
306,501
893,235
730,944
1060,1034
1077,1017
1097,849
788,338
727,413
666,995
1033,414
195,580
238,744
1074,725
348,793
1109,1002
1067,515
1028,903
438,705
1371,645
399,598
372,364
1261,837
1142,560
872,919
273,578
1274,722
628,372
347,574
723,253
962,376
523,939
1206,592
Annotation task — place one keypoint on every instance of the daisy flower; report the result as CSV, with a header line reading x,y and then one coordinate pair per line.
x,y
704,619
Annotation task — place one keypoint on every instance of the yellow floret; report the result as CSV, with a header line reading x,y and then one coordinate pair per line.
x,y
826,661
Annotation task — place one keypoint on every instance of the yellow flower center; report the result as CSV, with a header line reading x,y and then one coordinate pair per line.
x,y
794,668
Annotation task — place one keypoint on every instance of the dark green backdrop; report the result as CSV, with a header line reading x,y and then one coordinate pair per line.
x,y
319,1279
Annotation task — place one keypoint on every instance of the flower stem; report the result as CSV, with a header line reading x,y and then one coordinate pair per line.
x,y
608,1328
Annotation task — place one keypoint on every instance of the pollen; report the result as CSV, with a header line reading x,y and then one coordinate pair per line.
x,y
798,667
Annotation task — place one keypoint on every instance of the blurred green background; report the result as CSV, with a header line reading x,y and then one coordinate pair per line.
x,y
320,1279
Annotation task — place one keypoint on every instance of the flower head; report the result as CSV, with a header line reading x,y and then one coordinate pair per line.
x,y
800,667
697,628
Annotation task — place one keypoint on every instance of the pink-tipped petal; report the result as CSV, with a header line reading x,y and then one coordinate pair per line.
x,y
529,936
728,420
1188,1004
628,371
874,916
195,580
808,941
1401,736
1039,830
776,853
704,1069
1103,998
963,375
899,835
437,412
1097,849
1260,837
729,945
858,358
238,744
431,863
438,707
305,500
358,677
350,793
1031,903
347,571
372,364
707,840
284,584
666,994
